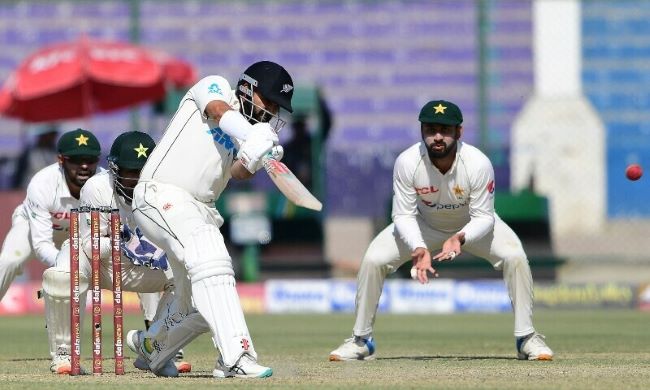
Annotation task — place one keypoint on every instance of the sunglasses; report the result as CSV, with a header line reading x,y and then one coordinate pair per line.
x,y
81,160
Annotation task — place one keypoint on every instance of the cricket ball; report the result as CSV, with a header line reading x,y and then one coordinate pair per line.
x,y
633,172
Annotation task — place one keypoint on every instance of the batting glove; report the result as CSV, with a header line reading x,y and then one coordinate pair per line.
x,y
276,153
263,131
258,143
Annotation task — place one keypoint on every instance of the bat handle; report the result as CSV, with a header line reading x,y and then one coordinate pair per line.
x,y
266,162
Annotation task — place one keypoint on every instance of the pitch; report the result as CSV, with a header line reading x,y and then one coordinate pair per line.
x,y
594,349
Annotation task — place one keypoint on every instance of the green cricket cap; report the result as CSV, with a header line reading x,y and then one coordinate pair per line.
x,y
441,111
130,150
78,142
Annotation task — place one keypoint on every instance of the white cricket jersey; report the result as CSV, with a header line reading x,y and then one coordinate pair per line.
x,y
194,153
47,206
460,200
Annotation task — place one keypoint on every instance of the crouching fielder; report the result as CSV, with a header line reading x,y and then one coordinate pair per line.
x,y
143,265
443,199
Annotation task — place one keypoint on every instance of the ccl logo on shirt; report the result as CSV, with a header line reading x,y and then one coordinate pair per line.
x,y
223,139
439,206
60,220
426,190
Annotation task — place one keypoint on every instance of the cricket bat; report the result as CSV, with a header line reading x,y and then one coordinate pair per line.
x,y
289,185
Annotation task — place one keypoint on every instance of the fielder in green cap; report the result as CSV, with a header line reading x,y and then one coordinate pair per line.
x,y
443,204
39,226
79,152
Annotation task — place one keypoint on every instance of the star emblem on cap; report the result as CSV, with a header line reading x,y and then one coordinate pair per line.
x,y
142,151
82,140
440,109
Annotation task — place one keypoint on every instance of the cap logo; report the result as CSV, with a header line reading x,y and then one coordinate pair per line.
x,y
142,151
82,140
286,88
440,109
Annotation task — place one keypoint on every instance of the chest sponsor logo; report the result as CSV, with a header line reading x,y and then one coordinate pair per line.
x,y
440,206
426,190
223,139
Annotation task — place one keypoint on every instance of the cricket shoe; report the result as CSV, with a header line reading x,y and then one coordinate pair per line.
x,y
61,362
354,348
181,365
135,340
246,367
533,347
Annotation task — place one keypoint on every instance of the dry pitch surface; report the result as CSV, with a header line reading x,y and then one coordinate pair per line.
x,y
594,350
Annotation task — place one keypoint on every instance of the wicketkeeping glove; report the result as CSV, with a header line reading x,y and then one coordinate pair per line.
x,y
140,251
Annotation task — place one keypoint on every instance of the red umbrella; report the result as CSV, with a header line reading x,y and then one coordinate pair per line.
x,y
76,79
177,72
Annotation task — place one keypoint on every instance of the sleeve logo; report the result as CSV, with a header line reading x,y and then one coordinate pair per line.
x,y
490,187
214,88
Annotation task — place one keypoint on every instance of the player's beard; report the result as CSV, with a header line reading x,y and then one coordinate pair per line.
x,y
436,154
253,113
80,176
261,115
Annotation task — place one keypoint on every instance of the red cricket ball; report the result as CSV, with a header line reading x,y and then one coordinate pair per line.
x,y
634,172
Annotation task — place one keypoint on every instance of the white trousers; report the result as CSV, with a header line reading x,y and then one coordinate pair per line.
x,y
168,216
188,231
501,247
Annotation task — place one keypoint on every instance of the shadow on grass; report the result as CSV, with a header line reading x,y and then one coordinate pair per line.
x,y
201,375
447,357
38,359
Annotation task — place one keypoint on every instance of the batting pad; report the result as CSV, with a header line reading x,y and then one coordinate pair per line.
x,y
56,295
216,299
206,254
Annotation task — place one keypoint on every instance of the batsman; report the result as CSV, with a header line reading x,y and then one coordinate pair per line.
x,y
216,133
144,266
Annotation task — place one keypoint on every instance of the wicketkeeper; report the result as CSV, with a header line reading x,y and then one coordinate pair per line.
x,y
144,266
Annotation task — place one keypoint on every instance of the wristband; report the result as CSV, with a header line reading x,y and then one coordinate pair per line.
x,y
235,125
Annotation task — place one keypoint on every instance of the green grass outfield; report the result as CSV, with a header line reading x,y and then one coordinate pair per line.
x,y
594,350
